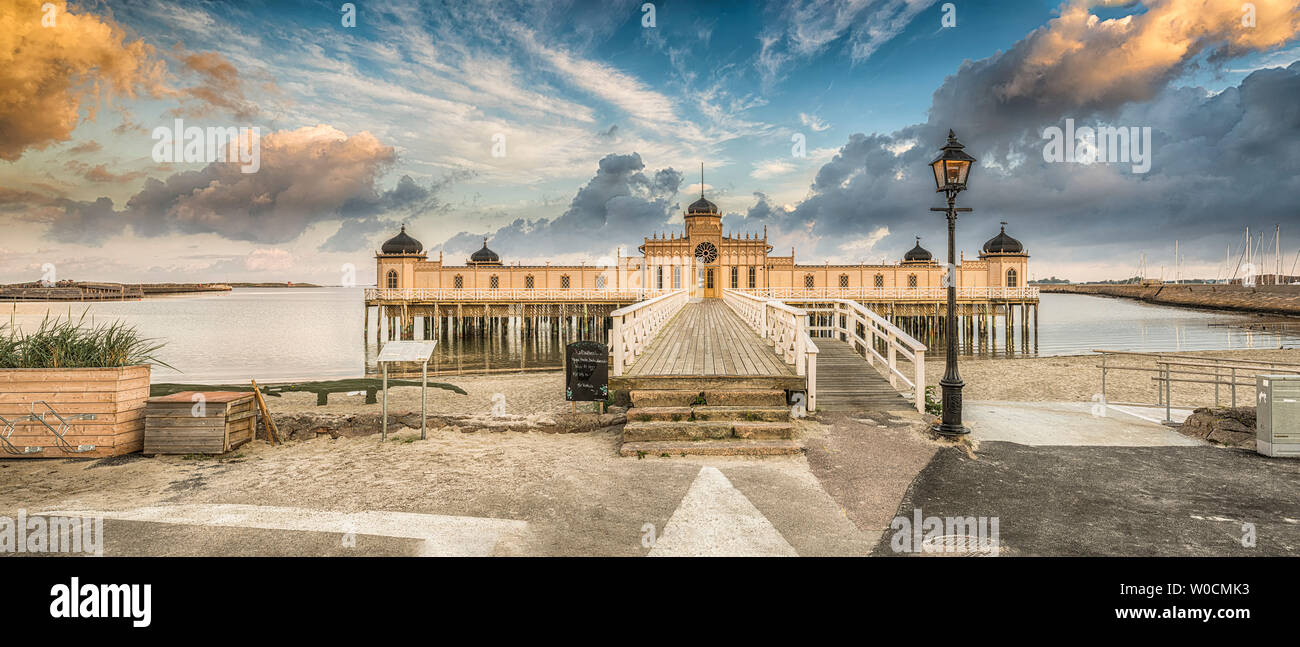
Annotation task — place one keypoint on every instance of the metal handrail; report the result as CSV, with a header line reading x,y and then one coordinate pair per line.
x,y
1171,368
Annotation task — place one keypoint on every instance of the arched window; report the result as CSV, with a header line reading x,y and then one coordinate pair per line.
x,y
494,282
879,281
735,277
844,280
809,281
659,277
564,282
459,282
392,279
1011,278
600,282
528,282
753,282
911,280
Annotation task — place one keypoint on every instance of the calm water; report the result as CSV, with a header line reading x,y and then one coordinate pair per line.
x,y
293,334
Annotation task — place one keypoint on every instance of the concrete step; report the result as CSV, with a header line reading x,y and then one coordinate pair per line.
x,y
731,447
745,398
664,398
678,414
705,430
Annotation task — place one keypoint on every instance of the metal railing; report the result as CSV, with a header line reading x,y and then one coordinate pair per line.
x,y
511,294
1171,368
892,293
869,334
636,325
785,328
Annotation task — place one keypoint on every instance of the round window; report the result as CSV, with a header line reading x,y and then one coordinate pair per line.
x,y
706,252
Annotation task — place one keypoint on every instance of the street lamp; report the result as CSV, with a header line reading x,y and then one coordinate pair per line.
x,y
951,168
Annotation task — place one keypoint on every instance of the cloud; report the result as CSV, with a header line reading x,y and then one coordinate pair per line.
x,y
90,146
619,205
220,87
309,175
1213,152
803,29
52,73
813,122
268,260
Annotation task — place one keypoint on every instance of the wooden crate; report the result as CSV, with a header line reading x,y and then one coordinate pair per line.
x,y
113,396
177,424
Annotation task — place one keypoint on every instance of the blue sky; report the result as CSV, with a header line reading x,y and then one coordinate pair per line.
x,y
419,91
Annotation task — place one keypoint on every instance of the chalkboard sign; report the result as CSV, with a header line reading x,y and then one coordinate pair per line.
x,y
586,372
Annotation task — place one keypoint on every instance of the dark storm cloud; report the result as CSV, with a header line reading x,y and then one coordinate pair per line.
x,y
1213,154
619,205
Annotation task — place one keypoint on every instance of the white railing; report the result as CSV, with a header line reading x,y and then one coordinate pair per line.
x,y
636,325
785,328
510,294
845,319
890,293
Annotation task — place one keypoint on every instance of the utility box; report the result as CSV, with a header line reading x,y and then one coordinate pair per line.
x,y
1277,415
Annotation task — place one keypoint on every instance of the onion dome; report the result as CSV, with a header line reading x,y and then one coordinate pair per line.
x,y
702,207
402,244
1003,244
484,256
918,253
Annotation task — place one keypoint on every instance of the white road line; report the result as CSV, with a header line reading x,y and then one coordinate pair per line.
x,y
443,535
715,520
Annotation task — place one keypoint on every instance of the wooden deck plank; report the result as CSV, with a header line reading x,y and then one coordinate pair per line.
x,y
708,338
846,382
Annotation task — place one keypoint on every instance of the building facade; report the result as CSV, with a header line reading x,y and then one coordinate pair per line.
x,y
702,259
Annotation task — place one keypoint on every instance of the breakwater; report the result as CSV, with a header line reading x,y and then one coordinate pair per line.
x,y
1273,299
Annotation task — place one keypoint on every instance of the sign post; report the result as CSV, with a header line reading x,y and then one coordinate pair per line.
x,y
407,351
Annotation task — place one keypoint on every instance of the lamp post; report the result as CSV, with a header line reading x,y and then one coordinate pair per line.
x,y
951,168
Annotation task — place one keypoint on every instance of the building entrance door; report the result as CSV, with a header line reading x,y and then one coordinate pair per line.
x,y
706,283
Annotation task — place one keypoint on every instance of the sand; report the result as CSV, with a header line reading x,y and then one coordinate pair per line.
x,y
519,394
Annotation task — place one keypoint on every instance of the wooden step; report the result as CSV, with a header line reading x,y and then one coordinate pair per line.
x,y
730,447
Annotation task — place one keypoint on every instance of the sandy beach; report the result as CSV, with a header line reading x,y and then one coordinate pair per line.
x,y
1036,379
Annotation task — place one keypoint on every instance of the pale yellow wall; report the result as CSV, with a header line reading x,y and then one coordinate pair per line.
x,y
742,253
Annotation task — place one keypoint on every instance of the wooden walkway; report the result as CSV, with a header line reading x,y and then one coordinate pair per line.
x,y
708,338
846,382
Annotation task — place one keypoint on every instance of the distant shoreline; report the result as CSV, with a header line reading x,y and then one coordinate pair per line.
x,y
1261,299
107,291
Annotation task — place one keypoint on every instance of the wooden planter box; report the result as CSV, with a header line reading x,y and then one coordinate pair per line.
x,y
173,424
103,407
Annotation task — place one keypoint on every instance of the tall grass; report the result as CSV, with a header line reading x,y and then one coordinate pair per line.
x,y
69,343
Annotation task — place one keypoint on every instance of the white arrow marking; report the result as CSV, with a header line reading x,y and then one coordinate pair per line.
x,y
715,520
443,535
